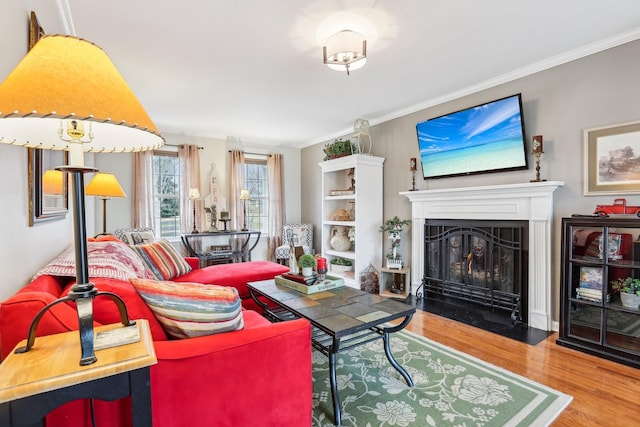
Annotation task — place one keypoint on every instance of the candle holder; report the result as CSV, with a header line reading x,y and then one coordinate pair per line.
x,y
537,150
413,165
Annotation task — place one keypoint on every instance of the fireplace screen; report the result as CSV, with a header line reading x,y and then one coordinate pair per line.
x,y
478,261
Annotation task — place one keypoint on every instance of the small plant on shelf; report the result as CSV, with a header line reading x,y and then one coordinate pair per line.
x,y
306,261
339,148
393,227
341,265
627,285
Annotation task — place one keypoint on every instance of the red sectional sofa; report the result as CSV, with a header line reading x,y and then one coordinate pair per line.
x,y
259,375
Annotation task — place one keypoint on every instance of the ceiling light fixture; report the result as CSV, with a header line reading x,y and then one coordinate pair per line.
x,y
346,50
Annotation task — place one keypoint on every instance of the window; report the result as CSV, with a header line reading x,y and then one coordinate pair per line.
x,y
166,193
256,180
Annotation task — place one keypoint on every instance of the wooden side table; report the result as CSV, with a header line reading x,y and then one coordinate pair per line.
x,y
49,375
398,279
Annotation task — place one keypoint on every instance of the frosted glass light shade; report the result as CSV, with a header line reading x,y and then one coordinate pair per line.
x,y
346,50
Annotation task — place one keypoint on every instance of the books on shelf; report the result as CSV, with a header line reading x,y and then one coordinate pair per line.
x,y
317,286
591,285
342,192
593,295
219,251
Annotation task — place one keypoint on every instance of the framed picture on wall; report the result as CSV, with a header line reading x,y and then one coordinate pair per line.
x,y
48,187
612,160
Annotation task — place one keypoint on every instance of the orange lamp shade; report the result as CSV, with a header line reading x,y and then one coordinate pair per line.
x,y
104,184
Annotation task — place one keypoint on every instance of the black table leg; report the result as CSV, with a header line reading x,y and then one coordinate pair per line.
x,y
141,397
394,363
387,348
333,381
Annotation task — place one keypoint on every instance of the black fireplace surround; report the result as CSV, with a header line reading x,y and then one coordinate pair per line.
x,y
482,261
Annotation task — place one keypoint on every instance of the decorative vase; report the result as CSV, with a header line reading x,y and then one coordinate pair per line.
x,y
339,238
307,271
630,300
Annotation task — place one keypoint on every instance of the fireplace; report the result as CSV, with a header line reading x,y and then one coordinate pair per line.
x,y
529,202
484,262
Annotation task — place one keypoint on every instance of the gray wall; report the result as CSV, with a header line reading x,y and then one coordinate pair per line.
x,y
559,103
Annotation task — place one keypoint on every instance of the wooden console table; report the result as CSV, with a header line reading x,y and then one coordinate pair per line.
x,y
34,383
248,241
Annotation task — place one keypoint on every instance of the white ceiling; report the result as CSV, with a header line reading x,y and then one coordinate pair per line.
x,y
251,70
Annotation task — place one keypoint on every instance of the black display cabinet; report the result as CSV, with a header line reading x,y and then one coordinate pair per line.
x,y
595,252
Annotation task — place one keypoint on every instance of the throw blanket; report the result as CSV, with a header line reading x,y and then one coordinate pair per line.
x,y
110,259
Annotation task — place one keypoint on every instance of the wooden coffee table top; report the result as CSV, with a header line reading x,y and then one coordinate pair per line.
x,y
340,311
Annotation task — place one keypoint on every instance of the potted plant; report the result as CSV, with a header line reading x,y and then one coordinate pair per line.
x,y
339,148
393,227
341,265
629,289
306,262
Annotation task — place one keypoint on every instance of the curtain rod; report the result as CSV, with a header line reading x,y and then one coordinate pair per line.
x,y
181,145
255,154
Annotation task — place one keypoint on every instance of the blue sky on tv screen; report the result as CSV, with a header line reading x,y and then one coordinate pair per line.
x,y
497,121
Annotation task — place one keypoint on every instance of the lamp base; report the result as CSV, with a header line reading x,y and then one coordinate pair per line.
x,y
82,295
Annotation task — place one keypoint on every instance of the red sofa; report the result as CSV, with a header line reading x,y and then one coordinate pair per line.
x,y
259,375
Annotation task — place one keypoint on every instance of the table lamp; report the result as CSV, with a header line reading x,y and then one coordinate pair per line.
x,y
104,185
194,194
66,94
244,196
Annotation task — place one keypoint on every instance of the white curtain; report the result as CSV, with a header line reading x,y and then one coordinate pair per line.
x,y
142,213
237,184
275,169
189,157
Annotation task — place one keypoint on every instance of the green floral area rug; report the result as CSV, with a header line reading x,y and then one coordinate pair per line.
x,y
450,389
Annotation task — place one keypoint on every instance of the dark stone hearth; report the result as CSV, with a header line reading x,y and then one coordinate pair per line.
x,y
480,316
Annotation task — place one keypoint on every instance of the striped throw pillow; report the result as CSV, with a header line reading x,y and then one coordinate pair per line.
x,y
162,259
188,310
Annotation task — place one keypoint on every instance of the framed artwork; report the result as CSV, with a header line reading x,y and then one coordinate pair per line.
x,y
591,278
48,188
612,160
36,32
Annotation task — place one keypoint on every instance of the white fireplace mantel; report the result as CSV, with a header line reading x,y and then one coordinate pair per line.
x,y
527,201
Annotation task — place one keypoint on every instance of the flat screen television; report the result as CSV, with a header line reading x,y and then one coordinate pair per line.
x,y
486,138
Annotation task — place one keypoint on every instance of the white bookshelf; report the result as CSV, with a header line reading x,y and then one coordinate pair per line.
x,y
366,202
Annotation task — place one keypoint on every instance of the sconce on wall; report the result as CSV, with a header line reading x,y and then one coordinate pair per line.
x,y
346,50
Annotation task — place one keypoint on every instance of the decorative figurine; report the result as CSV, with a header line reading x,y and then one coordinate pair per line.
x,y
293,262
213,212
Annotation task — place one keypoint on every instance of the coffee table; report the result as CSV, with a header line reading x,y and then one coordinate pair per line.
x,y
342,318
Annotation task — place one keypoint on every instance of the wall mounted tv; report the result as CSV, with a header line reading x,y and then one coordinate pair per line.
x,y
486,138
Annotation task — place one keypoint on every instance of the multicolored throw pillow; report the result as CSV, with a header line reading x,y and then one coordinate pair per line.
x,y
106,258
188,310
162,259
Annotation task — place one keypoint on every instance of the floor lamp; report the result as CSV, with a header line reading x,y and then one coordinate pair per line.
x,y
104,185
67,94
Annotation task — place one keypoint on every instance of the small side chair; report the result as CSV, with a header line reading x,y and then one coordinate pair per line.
x,y
300,235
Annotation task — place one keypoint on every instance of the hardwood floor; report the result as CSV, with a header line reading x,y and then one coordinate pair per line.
x,y
604,393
